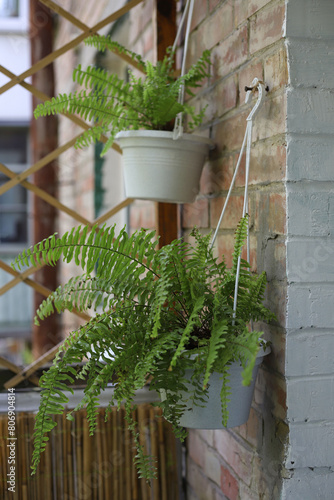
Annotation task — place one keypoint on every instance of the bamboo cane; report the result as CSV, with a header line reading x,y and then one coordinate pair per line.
x,y
78,444
154,450
120,453
59,459
48,473
114,453
21,469
141,411
105,465
162,460
127,457
30,424
109,430
86,456
64,454
29,448
172,471
70,475
95,469
134,478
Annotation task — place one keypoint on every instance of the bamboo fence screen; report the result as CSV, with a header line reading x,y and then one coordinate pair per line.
x,y
76,466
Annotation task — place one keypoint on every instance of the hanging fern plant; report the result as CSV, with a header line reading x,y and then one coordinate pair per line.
x,y
113,104
153,310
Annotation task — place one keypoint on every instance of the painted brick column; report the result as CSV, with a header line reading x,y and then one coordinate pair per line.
x,y
310,251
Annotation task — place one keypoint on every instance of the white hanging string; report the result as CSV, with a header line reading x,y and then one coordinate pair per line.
x,y
178,127
247,141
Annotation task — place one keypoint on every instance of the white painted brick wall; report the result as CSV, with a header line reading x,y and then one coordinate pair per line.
x,y
307,394
310,157
310,251
310,305
311,445
315,348
312,260
310,19
310,110
311,63
317,482
312,207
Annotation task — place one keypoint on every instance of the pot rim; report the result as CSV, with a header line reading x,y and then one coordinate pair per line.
x,y
164,134
263,351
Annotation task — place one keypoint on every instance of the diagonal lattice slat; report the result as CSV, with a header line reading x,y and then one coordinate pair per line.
x,y
24,275
31,369
5,363
46,196
36,286
37,166
43,97
70,45
76,22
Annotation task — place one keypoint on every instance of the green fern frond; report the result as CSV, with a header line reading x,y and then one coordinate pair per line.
x,y
112,104
191,323
216,345
102,43
239,239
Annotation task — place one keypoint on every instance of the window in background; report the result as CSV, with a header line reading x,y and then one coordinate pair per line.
x,y
9,8
16,306
13,203
14,15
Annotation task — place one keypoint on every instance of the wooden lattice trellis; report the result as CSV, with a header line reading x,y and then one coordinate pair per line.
x,y
21,178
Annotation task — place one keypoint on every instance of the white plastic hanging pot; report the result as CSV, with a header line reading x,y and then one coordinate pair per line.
x,y
210,416
159,168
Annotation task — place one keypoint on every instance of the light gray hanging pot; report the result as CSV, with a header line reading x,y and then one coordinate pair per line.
x,y
210,416
159,168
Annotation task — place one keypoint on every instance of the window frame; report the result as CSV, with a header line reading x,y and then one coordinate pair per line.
x,y
19,23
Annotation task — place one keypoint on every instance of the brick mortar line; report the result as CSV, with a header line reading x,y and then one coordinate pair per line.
x,y
314,423
307,330
267,6
295,136
307,284
308,238
280,238
270,187
311,378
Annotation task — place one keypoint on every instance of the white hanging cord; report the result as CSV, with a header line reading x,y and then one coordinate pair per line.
x,y
181,25
248,136
230,189
256,84
178,127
